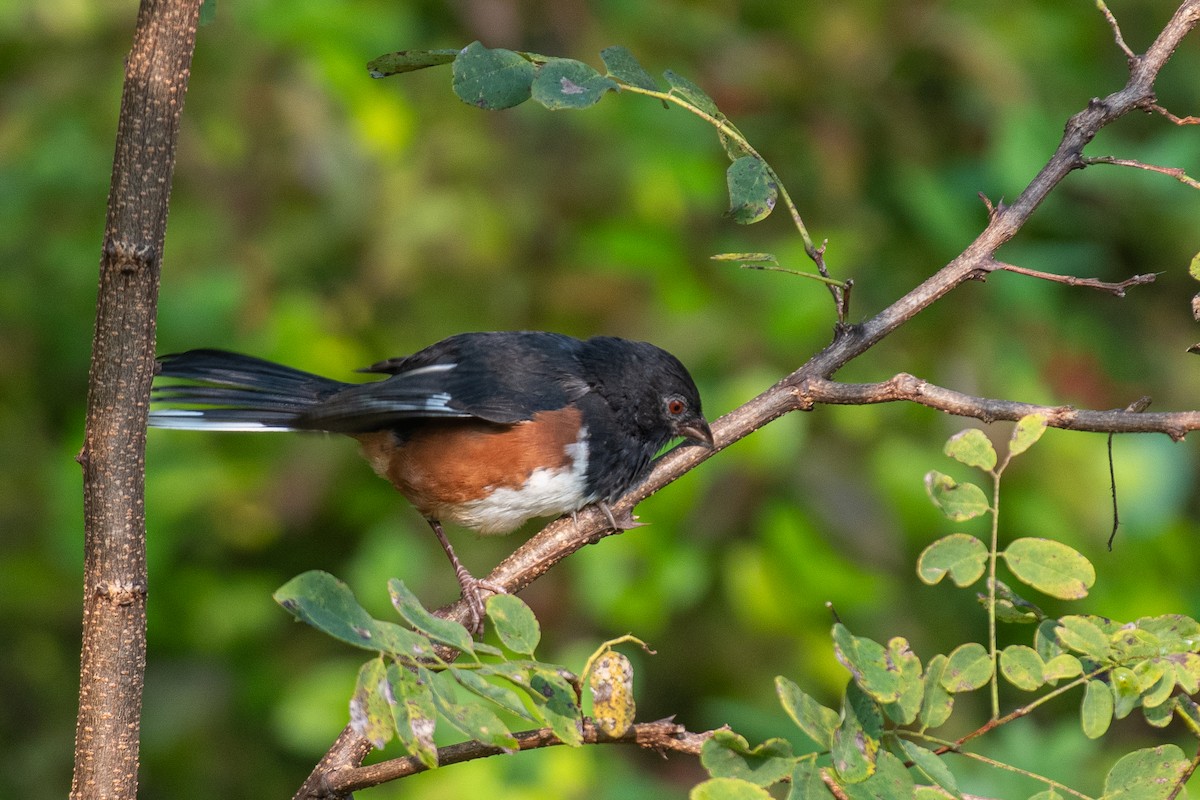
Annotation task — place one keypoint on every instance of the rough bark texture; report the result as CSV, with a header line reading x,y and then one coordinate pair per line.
x,y
113,455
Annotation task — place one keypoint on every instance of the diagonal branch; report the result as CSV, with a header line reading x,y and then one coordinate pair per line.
x,y
663,736
812,383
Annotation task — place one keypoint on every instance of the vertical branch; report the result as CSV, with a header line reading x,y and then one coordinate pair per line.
x,y
113,455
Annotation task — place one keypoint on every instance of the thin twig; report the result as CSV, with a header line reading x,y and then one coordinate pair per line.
x,y
1172,118
1172,172
1116,29
1119,288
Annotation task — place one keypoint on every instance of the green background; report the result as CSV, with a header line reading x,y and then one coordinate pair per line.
x,y
327,220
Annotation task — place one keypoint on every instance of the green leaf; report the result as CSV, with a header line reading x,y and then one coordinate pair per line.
x,y
959,555
806,782
727,789
611,683
1161,715
937,703
752,190
856,740
1159,691
1022,666
414,715
891,781
1084,636
1045,639
931,793
408,61
968,667
475,681
1127,693
817,721
728,755
492,79
869,663
515,623
958,501
1194,267
684,89
1189,713
446,631
370,713
911,689
621,65
470,719
749,258
1096,712
565,83
1146,774
1187,671
1026,433
559,704
328,605
930,766
1048,794
1050,567
1011,607
973,448
1063,666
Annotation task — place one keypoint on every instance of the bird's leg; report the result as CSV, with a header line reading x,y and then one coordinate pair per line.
x,y
469,584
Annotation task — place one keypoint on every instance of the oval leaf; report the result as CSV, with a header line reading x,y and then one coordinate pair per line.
x,y
408,61
937,703
959,555
413,714
973,448
684,89
370,713
958,501
470,719
911,689
1084,636
492,79
621,65
328,605
1050,567
1026,433
930,766
1096,713
727,789
869,663
565,83
1022,667
728,755
817,721
515,624
1146,774
752,190
856,740
967,668
446,631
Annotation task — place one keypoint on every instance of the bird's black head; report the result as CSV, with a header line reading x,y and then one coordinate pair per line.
x,y
653,385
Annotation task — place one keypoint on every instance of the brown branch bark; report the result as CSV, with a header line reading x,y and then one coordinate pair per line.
x,y
114,600
812,383
663,736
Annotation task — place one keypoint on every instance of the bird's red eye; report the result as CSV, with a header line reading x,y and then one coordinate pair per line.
x,y
676,407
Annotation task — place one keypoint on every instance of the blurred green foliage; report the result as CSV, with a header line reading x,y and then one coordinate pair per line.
x,y
328,220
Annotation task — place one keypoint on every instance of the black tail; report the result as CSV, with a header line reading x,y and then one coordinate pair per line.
x,y
233,392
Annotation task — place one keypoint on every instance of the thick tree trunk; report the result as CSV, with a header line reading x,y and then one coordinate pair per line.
x,y
113,455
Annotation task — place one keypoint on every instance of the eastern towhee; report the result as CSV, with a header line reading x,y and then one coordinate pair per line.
x,y
486,430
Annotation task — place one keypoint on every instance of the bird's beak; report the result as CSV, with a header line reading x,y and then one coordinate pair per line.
x,y
697,432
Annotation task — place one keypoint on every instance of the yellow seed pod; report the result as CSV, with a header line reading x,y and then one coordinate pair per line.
x,y
611,682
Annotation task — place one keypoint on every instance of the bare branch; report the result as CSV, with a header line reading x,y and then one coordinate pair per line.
x,y
663,736
1117,289
1173,172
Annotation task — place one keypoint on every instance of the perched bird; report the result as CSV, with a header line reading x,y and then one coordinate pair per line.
x,y
485,430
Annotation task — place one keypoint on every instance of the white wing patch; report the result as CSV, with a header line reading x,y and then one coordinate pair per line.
x,y
181,419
